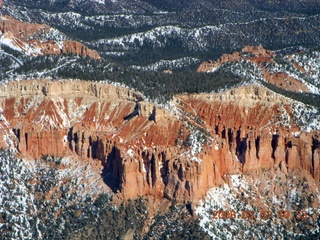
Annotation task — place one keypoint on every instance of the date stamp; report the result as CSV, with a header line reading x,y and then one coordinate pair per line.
x,y
262,214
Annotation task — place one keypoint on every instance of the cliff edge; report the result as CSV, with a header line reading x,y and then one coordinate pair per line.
x,y
177,153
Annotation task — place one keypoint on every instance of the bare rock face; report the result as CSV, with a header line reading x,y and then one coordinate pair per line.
x,y
25,36
145,150
79,49
261,58
254,131
22,30
257,54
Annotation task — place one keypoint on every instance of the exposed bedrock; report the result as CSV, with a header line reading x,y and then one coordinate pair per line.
x,y
146,150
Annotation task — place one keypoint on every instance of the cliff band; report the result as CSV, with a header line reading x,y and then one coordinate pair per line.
x,y
177,153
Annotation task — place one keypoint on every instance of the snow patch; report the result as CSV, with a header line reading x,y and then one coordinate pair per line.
x,y
130,153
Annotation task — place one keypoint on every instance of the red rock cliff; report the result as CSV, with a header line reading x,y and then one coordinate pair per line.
x,y
22,30
25,35
261,58
73,47
146,150
254,130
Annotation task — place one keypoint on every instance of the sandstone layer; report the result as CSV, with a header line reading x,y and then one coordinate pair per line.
x,y
26,37
146,150
262,59
258,54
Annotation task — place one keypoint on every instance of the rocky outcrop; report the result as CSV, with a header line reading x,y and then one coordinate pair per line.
x,y
26,37
261,58
73,47
146,150
283,80
22,30
254,130
257,54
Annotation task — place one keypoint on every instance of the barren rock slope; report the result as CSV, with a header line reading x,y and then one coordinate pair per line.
x,y
145,150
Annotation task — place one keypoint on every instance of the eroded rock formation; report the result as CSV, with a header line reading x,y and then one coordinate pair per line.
x,y
26,37
255,130
22,30
146,150
263,59
257,54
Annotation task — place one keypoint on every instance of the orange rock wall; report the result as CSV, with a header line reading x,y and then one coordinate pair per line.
x,y
73,47
136,142
260,57
256,53
21,30
251,132
25,33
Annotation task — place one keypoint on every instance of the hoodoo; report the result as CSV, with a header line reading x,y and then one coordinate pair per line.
x,y
151,151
